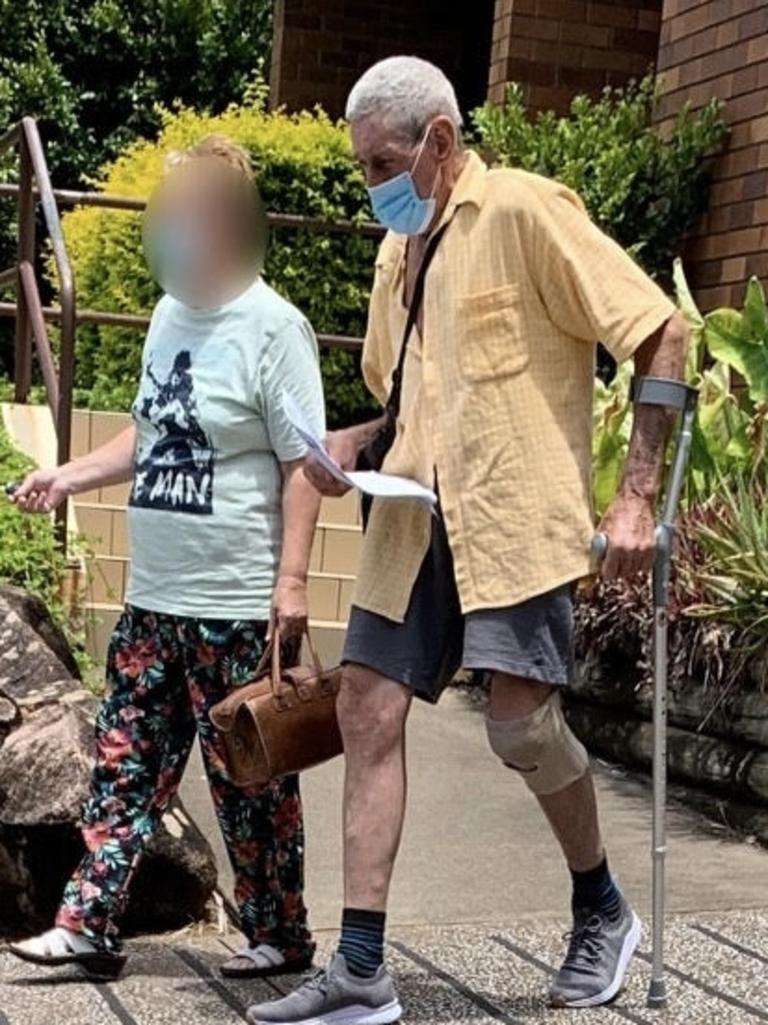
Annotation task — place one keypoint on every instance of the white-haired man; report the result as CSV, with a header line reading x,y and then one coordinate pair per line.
x,y
495,413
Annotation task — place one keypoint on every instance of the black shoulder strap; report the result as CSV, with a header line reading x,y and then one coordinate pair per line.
x,y
393,402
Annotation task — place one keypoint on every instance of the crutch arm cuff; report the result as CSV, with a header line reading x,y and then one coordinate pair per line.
x,y
662,391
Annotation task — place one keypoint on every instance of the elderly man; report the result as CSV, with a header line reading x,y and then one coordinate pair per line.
x,y
496,414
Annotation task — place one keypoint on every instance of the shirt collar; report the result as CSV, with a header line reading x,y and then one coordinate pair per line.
x,y
469,187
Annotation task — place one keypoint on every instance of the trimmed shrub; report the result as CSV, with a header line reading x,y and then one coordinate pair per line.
x,y
303,165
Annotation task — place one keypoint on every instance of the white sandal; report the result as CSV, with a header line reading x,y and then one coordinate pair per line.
x,y
260,961
59,947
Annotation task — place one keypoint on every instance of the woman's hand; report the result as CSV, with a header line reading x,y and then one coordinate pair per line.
x,y
43,490
343,447
289,607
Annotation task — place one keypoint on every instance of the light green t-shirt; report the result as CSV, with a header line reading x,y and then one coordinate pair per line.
x,y
204,517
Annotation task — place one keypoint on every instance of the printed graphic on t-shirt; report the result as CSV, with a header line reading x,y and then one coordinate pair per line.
x,y
176,474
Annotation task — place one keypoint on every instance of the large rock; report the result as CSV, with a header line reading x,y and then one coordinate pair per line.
x,y
34,612
46,754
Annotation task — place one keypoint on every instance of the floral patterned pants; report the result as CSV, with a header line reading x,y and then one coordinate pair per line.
x,y
164,673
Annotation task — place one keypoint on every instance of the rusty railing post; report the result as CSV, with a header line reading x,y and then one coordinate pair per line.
x,y
25,254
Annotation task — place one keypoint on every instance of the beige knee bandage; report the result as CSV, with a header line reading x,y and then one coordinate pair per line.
x,y
541,747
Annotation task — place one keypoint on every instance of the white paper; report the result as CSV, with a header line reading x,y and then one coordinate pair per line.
x,y
378,485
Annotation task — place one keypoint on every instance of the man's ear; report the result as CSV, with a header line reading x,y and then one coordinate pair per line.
x,y
443,138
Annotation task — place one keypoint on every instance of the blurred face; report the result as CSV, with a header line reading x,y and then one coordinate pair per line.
x,y
205,233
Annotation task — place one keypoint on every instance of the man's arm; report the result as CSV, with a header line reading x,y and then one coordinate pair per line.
x,y
344,447
301,506
629,520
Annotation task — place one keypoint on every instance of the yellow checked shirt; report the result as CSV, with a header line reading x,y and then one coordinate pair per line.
x,y
497,390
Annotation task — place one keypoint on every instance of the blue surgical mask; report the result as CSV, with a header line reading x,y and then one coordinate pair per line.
x,y
397,204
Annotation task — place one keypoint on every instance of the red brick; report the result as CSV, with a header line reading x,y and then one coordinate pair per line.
x,y
535,28
750,105
531,72
557,53
586,35
605,14
754,24
524,6
649,21
757,49
566,10
745,80
581,79
555,98
633,41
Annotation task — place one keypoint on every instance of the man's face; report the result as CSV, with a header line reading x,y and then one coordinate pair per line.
x,y
383,154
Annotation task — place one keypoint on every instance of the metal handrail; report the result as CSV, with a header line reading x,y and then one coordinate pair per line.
x,y
30,322
71,197
52,314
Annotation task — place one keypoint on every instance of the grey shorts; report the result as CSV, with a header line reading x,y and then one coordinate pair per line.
x,y
533,640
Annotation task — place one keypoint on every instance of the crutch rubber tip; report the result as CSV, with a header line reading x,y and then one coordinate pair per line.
x,y
657,996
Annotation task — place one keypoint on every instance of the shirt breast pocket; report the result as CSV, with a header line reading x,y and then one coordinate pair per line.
x,y
493,342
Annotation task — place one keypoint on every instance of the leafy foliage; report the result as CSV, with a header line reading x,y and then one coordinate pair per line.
x,y
29,555
93,71
643,190
303,165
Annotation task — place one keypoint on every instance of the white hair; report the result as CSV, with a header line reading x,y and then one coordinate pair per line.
x,y
406,93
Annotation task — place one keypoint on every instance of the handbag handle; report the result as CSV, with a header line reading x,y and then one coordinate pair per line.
x,y
272,654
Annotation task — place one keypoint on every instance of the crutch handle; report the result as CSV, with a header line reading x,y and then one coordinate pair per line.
x,y
599,547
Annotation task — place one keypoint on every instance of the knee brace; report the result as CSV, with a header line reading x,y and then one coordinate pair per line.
x,y
541,747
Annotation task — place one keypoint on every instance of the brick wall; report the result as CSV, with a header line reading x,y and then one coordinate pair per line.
x,y
322,46
557,48
720,48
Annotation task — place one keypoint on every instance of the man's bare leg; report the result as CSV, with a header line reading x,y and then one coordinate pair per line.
x,y
605,931
372,714
572,812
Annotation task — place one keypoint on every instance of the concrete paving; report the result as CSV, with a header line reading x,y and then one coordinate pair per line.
x,y
478,909
476,848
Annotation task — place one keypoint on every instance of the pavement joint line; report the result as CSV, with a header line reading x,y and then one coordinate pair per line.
x,y
466,991
726,941
114,1003
203,971
712,991
548,969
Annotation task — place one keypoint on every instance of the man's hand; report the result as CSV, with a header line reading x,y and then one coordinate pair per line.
x,y
343,447
289,607
628,524
42,491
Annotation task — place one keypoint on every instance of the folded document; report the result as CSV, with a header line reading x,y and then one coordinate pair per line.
x,y
378,485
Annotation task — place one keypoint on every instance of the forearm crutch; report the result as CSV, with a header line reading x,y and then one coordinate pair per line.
x,y
658,391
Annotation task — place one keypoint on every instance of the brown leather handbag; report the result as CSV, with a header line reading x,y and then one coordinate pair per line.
x,y
282,722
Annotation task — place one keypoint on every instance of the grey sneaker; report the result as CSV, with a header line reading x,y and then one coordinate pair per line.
x,y
597,959
333,996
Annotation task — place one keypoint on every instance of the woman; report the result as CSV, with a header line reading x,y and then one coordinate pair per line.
x,y
221,522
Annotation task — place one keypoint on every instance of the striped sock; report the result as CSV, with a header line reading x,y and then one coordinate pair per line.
x,y
595,890
362,940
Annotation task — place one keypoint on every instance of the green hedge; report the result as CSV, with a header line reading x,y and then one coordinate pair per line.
x,y
303,166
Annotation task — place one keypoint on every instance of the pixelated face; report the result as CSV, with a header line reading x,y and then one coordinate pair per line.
x,y
205,232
